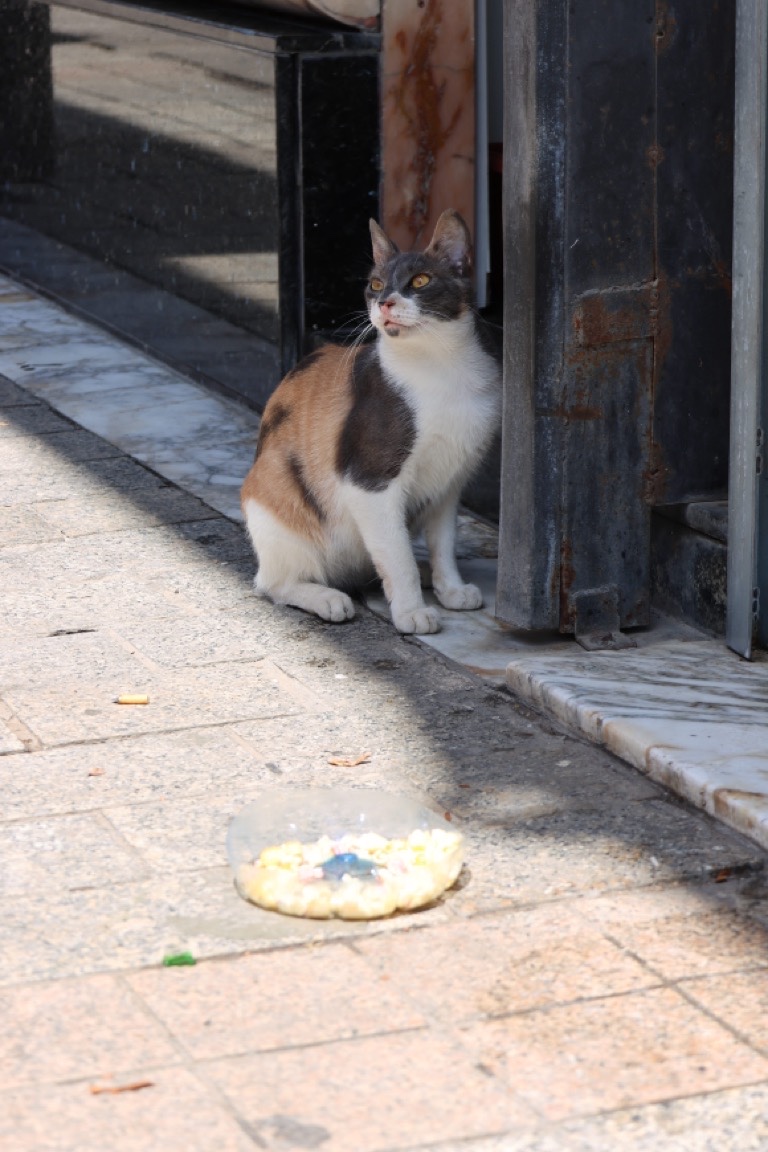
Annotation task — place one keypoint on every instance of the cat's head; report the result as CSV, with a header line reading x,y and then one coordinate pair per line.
x,y
409,293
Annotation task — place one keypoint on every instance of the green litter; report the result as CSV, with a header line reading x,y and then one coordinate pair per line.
x,y
179,960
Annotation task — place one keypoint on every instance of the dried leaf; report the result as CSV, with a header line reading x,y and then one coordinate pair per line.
x,y
349,761
114,1089
96,772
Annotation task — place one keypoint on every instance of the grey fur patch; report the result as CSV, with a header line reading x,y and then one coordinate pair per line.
x,y
445,297
307,495
379,431
278,414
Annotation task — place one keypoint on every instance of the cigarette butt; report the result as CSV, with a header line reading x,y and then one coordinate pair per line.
x,y
132,700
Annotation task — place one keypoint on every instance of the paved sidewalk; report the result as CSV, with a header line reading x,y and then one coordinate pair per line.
x,y
598,980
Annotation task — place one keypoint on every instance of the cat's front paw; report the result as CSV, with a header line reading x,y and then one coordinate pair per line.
x,y
421,621
336,607
460,598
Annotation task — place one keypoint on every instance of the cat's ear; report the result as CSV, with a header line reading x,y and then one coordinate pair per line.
x,y
452,243
383,248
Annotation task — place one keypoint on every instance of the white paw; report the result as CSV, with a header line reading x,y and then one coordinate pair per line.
x,y
461,598
334,606
420,620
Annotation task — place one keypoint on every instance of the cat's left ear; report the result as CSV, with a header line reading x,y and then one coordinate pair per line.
x,y
383,248
452,243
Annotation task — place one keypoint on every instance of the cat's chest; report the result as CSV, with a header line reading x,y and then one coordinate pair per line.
x,y
455,410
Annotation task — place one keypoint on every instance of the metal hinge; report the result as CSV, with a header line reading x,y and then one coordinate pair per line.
x,y
596,619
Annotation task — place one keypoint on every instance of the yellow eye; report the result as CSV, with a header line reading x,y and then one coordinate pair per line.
x,y
421,280
376,284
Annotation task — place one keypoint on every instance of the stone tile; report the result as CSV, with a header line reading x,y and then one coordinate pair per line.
x,y
52,933
172,414
529,779
200,640
103,586
70,711
162,767
619,1052
64,479
52,605
177,1111
39,660
63,854
683,938
734,1119
66,1029
515,1141
692,715
31,420
738,999
79,350
75,445
274,1000
376,1093
9,743
518,961
580,852
26,330
11,396
182,834
187,434
20,525
117,511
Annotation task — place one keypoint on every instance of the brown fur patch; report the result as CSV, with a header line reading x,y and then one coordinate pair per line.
x,y
296,454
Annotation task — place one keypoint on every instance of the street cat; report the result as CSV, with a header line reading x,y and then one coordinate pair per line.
x,y
361,447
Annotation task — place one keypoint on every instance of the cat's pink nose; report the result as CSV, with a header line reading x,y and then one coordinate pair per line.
x,y
386,306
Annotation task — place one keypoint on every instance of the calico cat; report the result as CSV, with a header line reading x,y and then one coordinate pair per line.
x,y
360,447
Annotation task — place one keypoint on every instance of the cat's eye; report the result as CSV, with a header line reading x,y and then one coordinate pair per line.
x,y
376,284
421,280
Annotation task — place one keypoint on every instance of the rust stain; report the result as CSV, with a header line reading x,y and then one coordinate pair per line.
x,y
612,317
661,317
567,580
665,30
654,155
582,412
655,476
723,799
723,276
577,407
654,481
724,142
418,97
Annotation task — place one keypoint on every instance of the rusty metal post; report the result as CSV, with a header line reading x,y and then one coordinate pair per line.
x,y
534,190
581,306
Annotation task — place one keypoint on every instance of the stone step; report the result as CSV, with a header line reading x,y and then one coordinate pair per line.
x,y
689,560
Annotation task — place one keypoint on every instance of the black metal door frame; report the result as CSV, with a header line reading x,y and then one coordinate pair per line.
x,y
618,186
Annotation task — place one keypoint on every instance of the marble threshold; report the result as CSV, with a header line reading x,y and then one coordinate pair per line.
x,y
680,707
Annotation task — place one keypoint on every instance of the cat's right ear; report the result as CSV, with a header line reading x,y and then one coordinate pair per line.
x,y
383,248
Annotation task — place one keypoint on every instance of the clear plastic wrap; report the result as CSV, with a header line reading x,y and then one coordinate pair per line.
x,y
352,853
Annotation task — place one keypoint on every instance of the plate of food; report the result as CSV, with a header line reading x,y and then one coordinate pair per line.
x,y
351,853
